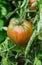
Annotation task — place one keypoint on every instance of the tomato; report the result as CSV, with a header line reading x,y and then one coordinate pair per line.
x,y
32,7
32,1
20,34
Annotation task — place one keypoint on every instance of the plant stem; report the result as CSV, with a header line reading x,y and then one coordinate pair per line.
x,y
34,35
11,13
23,10
26,62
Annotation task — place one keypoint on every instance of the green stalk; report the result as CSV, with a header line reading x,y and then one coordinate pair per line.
x,y
11,13
33,37
23,10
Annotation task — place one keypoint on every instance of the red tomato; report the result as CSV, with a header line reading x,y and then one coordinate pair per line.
x,y
20,34
32,1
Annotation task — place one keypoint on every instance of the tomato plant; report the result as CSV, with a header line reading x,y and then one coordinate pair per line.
x,y
20,34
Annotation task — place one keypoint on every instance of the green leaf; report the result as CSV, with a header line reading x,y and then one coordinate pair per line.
x,y
5,61
1,23
37,62
40,56
2,35
3,11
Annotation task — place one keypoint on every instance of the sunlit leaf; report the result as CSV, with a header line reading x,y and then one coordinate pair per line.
x,y
3,11
37,62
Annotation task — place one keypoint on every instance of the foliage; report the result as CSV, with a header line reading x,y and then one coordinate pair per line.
x,y
11,54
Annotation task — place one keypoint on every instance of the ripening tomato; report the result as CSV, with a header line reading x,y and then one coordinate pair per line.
x,y
32,1
32,7
20,34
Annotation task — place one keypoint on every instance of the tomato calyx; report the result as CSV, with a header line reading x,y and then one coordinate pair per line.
x,y
19,22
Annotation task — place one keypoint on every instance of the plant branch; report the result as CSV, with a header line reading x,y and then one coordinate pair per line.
x,y
11,13
34,35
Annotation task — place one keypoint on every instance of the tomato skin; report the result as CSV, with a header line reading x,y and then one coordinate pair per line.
x,y
20,34
32,7
32,1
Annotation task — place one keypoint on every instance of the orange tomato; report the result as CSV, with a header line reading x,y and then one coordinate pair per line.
x,y
32,1
20,34
32,7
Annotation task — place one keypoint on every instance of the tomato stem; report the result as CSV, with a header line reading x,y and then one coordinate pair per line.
x,y
23,10
11,13
34,35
